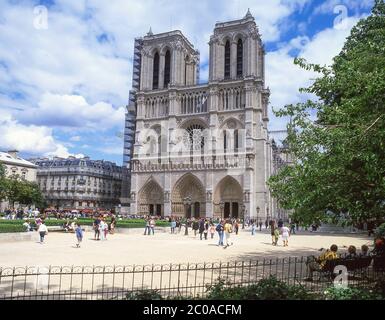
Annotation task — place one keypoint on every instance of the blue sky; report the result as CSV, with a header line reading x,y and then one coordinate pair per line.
x,y
64,84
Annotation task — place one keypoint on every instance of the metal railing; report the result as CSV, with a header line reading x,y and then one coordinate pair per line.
x,y
191,280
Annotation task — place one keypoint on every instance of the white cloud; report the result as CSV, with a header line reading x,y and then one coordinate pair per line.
x,y
73,111
285,79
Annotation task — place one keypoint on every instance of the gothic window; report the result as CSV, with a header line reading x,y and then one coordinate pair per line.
x,y
224,140
167,69
236,141
240,58
159,148
227,60
155,76
193,138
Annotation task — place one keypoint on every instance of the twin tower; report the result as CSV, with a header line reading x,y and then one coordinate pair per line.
x,y
200,150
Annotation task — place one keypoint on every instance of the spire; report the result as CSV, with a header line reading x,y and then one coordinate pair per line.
x,y
248,14
150,32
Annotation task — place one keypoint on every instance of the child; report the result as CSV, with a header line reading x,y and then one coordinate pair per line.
x,y
212,230
79,234
276,236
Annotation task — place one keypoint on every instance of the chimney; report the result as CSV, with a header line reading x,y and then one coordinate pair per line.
x,y
13,153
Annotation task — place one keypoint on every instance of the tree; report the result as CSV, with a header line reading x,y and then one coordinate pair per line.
x,y
2,182
338,159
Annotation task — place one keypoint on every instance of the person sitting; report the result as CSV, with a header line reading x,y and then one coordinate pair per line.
x,y
317,264
352,252
379,248
364,251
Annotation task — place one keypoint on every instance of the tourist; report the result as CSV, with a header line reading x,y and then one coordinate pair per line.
x,y
272,229
292,227
195,227
178,225
206,230
266,224
27,226
280,224
285,235
173,226
253,228
364,251
352,252
228,229
236,226
379,247
212,230
276,237
201,228
260,225
113,224
102,227
95,226
147,227
318,264
152,226
79,234
220,228
43,231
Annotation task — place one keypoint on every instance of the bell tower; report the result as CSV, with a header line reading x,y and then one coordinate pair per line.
x,y
168,59
236,50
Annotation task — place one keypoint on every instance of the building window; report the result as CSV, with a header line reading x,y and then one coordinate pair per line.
x,y
155,76
167,69
236,141
227,60
240,58
225,140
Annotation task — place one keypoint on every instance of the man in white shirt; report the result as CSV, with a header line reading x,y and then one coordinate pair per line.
x,y
43,230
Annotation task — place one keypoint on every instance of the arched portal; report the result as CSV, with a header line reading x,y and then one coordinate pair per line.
x,y
189,186
229,191
151,199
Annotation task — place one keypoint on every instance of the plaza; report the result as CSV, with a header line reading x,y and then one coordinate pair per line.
x,y
165,248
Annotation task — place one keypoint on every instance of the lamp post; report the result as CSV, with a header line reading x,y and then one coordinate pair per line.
x,y
243,207
187,204
258,214
222,206
267,212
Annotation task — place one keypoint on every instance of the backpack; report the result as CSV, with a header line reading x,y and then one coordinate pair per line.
x,y
219,227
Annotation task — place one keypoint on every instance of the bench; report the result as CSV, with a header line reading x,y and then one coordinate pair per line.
x,y
353,265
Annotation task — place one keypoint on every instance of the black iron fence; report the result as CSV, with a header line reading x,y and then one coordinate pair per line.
x,y
192,280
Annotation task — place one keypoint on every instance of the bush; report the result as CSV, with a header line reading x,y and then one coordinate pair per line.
x,y
380,231
10,228
144,295
334,293
266,289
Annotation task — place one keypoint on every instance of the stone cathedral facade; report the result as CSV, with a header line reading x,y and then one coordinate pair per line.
x,y
203,150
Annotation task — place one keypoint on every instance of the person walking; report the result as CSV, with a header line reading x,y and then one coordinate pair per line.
x,y
266,224
212,230
220,228
152,226
79,235
272,229
43,231
292,227
285,235
195,226
201,228
96,228
101,230
260,225
173,226
236,226
228,229
276,236
113,224
206,231
147,227
253,229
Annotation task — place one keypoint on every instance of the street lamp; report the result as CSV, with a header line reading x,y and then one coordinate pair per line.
x,y
258,208
222,206
187,204
243,207
267,212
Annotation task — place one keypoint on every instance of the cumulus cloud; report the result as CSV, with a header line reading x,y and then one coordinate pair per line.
x,y
73,111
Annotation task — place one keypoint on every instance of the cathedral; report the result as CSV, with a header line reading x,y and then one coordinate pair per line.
x,y
202,150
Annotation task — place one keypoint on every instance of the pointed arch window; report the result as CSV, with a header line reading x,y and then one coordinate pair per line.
x,y
227,60
155,76
240,58
167,69
224,140
236,141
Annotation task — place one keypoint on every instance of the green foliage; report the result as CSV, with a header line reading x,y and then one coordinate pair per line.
x,y
11,228
144,295
266,289
380,231
334,293
338,158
